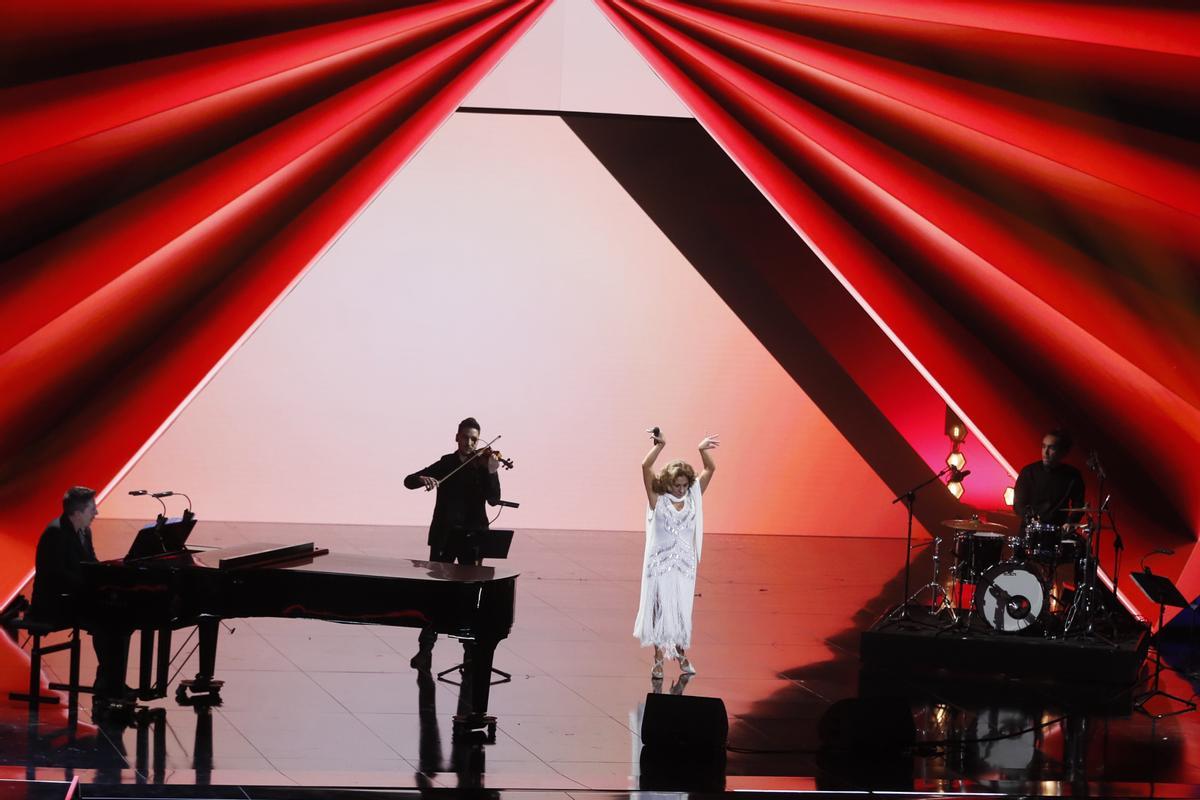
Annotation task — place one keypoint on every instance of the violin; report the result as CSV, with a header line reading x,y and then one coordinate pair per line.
x,y
487,451
482,455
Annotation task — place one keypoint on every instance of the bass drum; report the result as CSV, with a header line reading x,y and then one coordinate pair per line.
x,y
1012,596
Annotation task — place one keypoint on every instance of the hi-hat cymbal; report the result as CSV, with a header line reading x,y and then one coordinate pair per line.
x,y
973,525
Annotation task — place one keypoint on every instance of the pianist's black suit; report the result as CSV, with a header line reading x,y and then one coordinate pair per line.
x,y
460,500
57,583
59,577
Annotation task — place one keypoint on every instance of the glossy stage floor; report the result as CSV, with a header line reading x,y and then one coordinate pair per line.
x,y
777,627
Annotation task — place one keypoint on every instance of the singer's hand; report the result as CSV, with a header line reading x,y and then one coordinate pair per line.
x,y
493,462
710,442
429,483
656,438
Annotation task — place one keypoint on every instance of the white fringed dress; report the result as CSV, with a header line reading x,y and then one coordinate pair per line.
x,y
673,542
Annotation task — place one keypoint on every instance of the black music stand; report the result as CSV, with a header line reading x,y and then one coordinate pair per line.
x,y
162,536
472,546
1160,590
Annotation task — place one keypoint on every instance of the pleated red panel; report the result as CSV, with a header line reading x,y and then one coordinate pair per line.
x,y
155,207
1009,189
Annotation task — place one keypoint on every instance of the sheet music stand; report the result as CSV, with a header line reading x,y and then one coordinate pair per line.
x,y
162,536
472,546
1160,590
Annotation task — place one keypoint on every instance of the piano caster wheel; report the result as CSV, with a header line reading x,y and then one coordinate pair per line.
x,y
199,693
472,728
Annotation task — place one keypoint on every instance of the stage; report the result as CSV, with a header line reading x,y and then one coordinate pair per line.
x,y
778,623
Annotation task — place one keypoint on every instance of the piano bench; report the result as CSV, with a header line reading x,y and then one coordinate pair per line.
x,y
38,630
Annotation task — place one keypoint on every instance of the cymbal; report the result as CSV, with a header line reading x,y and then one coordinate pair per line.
x,y
1083,510
973,525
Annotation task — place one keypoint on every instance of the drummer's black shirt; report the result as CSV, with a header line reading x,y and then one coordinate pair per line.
x,y
1043,491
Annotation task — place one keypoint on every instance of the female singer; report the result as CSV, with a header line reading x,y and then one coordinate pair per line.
x,y
674,532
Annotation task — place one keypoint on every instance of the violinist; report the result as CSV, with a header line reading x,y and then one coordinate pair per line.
x,y
464,481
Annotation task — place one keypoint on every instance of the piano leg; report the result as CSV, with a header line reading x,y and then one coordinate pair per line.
x,y
204,688
477,685
209,628
153,661
145,662
163,667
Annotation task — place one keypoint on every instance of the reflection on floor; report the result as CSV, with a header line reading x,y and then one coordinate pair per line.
x,y
777,623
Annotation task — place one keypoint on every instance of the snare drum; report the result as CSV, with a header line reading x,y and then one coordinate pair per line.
x,y
1040,541
976,552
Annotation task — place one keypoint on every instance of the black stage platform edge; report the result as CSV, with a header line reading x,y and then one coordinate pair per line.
x,y
966,690
152,791
176,792
925,645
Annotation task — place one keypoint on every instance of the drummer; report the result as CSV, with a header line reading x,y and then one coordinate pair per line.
x,y
1046,489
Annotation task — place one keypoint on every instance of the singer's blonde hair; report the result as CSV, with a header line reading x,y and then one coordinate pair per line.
x,y
666,479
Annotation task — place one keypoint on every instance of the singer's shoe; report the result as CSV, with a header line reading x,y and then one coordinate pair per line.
x,y
686,667
657,672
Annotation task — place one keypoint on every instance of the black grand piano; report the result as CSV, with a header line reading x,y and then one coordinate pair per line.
x,y
202,587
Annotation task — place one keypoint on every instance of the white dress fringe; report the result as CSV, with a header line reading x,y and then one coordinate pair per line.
x,y
673,543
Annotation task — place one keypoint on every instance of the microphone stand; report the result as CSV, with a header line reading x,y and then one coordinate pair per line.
x,y
1118,545
911,498
1095,466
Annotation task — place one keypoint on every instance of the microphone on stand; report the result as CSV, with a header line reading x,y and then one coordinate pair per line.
x,y
508,504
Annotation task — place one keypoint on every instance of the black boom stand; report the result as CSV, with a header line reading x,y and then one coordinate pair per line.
x,y
901,612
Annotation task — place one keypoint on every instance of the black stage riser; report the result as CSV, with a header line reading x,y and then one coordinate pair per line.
x,y
923,650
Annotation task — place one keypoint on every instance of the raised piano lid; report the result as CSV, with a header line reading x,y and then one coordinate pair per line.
x,y
350,564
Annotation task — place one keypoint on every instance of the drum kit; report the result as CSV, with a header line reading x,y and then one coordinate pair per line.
x,y
1014,578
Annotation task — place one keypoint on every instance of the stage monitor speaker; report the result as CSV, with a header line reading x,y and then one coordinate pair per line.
x,y
684,724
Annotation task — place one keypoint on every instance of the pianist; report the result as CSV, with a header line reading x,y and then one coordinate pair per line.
x,y
464,481
58,583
